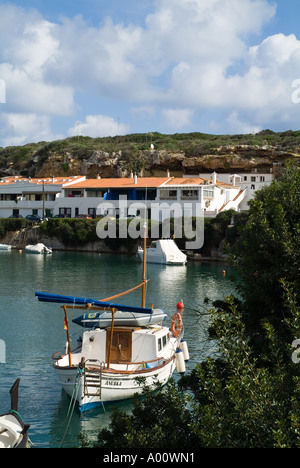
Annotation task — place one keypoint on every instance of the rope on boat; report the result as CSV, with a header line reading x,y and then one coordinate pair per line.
x,y
73,401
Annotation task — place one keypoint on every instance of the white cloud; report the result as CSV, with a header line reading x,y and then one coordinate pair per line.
x,y
18,129
190,56
98,126
177,118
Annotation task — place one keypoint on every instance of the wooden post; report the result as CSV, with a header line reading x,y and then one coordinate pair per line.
x,y
68,335
111,337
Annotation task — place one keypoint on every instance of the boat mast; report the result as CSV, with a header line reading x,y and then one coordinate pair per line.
x,y
144,266
111,337
68,335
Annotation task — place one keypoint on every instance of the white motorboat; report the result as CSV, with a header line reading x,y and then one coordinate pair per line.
x,y
163,251
5,247
38,249
13,431
113,362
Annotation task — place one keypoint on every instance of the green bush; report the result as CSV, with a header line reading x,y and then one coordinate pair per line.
x,y
12,224
73,232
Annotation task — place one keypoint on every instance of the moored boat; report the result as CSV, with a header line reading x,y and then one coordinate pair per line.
x,y
106,362
103,319
164,252
13,430
5,247
38,249
123,350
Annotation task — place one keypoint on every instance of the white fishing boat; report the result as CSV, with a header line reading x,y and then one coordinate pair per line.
x,y
38,249
113,362
163,251
13,431
5,247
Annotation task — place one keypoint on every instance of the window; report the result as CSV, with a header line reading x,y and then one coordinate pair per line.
x,y
168,194
253,179
208,193
262,178
161,342
245,178
189,194
92,212
65,211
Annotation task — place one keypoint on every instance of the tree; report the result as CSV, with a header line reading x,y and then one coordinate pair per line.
x,y
161,419
268,251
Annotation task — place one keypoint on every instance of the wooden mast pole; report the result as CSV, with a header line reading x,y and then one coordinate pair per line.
x,y
68,335
111,337
144,266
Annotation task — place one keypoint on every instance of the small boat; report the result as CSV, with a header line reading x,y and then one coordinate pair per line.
x,y
38,249
163,251
13,431
5,247
124,349
129,319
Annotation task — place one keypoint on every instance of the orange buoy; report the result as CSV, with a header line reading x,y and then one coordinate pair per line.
x,y
180,305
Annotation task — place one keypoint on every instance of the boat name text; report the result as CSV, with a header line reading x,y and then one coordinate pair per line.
x,y
113,383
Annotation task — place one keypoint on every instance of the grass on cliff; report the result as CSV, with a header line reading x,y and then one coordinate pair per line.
x,y
26,160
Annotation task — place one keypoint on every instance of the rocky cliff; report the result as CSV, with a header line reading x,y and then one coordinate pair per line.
x,y
180,154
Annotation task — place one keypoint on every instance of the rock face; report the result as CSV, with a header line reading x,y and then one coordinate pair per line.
x,y
242,158
63,159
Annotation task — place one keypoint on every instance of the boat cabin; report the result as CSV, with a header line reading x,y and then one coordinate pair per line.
x,y
126,344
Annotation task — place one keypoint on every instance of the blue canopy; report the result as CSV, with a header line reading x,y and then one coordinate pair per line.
x,y
55,298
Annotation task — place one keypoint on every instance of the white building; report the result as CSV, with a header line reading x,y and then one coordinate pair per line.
x,y
249,183
21,196
163,197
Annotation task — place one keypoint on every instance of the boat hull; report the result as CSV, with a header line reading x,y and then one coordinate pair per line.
x,y
112,386
13,432
38,249
5,247
161,259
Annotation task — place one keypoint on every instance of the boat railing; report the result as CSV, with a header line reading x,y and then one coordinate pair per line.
x,y
133,366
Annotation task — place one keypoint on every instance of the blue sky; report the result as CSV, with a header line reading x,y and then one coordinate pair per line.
x,y
108,67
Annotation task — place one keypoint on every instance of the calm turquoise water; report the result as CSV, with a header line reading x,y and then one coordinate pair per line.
x,y
33,331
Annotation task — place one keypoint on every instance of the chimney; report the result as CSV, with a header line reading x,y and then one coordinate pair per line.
x,y
131,175
135,178
98,176
214,178
168,173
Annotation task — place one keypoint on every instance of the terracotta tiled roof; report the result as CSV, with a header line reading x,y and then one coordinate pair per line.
x,y
47,180
142,182
186,181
